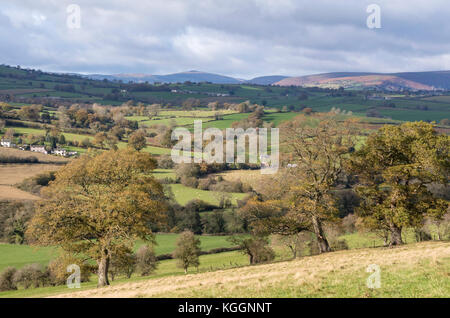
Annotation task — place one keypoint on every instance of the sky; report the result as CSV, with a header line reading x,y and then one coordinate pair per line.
x,y
239,38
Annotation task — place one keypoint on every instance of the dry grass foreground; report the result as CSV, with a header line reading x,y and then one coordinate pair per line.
x,y
344,272
11,174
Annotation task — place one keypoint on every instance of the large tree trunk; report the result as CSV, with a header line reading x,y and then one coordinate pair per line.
x,y
396,235
322,242
103,265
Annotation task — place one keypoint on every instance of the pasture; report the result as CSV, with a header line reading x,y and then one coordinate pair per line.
x,y
183,195
415,270
21,255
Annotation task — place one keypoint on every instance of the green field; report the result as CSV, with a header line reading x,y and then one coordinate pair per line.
x,y
21,255
185,194
164,173
165,268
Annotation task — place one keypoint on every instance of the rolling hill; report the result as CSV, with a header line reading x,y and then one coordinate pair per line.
x,y
394,82
191,76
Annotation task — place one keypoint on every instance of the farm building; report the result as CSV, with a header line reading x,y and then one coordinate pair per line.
x,y
60,152
40,149
7,143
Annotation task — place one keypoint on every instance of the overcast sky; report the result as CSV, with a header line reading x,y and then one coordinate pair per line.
x,y
241,38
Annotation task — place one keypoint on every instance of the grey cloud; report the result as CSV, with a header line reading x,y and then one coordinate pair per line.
x,y
242,38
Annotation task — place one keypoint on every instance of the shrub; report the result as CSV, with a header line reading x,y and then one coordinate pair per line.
x,y
349,223
189,181
165,162
214,222
227,186
122,262
7,279
35,184
338,245
206,183
58,269
31,275
257,248
146,261
14,159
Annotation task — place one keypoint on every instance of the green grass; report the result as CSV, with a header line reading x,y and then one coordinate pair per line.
x,y
150,149
21,255
226,122
165,268
195,113
278,118
164,173
185,194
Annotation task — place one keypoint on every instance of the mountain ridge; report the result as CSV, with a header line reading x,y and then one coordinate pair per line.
x,y
432,80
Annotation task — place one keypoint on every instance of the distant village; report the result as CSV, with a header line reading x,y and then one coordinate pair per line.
x,y
39,148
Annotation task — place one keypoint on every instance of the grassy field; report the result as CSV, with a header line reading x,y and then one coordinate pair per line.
x,y
185,194
415,270
21,255
165,268
164,173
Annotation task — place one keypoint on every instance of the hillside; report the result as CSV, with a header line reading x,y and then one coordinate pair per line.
x,y
416,270
190,76
393,82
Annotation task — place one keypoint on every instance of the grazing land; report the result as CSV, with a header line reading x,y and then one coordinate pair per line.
x,y
416,270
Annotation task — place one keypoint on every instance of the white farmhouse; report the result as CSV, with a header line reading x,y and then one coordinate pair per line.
x,y
7,143
40,149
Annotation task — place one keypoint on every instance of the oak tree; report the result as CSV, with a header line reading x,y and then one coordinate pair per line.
x,y
395,167
99,204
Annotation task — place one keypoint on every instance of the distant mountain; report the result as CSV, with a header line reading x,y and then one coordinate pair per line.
x,y
192,76
393,81
349,80
266,80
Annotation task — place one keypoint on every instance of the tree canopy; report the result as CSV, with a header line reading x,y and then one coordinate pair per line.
x,y
99,204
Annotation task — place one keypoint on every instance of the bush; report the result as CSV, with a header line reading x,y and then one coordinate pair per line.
x,y
206,183
227,186
35,184
338,245
122,262
257,249
14,159
189,181
146,261
58,269
349,223
165,162
214,223
31,275
14,217
7,279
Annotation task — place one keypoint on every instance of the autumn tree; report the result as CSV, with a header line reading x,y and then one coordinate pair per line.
x,y
146,260
99,204
99,139
318,150
137,140
187,251
395,167
256,247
